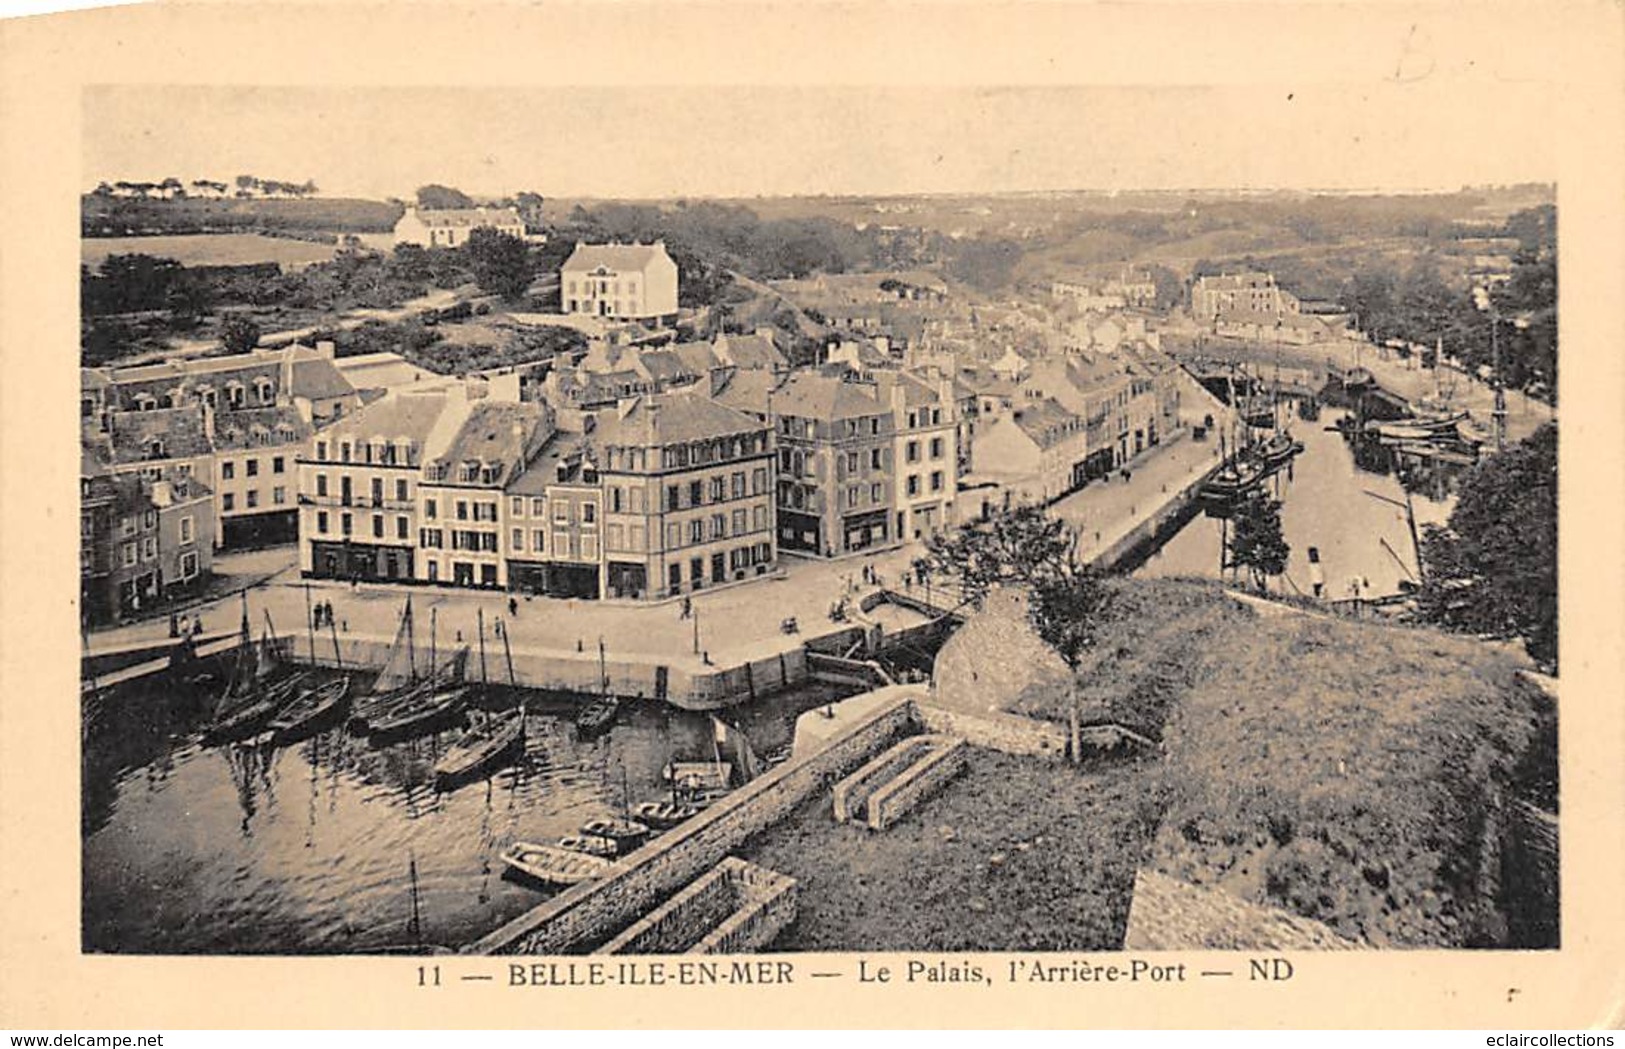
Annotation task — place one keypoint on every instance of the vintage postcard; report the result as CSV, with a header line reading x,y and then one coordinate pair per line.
x,y
747,515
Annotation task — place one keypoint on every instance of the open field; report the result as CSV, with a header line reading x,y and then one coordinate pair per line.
x,y
209,249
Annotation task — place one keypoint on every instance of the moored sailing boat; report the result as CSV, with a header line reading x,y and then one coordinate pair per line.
x,y
485,747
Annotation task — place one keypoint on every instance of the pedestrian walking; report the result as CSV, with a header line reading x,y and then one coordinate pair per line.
x,y
687,609
513,607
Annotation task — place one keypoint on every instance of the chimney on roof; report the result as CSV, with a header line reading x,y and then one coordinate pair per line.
x,y
325,348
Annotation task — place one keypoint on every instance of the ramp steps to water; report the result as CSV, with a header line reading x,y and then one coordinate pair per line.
x,y
734,908
889,787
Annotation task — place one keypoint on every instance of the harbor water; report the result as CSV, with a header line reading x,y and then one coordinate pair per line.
x,y
1354,517
333,845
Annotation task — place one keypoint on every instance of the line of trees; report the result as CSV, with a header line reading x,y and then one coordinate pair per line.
x,y
172,188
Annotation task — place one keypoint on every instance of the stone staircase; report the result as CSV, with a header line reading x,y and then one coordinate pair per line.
x,y
888,787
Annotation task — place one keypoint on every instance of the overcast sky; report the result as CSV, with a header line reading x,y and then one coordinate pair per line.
x,y
735,141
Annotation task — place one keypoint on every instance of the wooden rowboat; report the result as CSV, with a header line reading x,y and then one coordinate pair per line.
x,y
662,815
313,710
483,748
552,864
591,845
420,713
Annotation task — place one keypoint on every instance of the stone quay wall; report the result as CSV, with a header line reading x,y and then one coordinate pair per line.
x,y
588,914
578,672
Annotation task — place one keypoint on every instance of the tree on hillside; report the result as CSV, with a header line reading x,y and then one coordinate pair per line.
x,y
1026,547
435,197
1493,568
500,262
239,334
985,263
1256,541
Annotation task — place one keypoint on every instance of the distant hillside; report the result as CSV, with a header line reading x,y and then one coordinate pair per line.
x,y
129,216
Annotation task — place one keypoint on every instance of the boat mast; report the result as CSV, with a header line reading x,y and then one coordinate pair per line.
x,y
310,625
434,615
480,614
411,649
508,655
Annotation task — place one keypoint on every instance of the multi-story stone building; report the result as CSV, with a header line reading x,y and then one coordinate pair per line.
x,y
627,281
462,491
236,424
836,442
142,540
687,495
358,486
1214,296
925,419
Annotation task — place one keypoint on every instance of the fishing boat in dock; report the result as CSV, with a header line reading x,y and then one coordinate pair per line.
x,y
400,686
1279,450
591,845
627,834
552,864
663,815
260,687
315,709
423,711
597,716
487,746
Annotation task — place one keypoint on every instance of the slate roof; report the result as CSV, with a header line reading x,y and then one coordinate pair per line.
x,y
666,367
673,418
488,437
697,357
129,434
257,427
619,258
1046,422
442,218
750,351
809,395
408,415
543,469
318,379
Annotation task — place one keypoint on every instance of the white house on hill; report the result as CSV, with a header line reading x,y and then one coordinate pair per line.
x,y
450,227
637,281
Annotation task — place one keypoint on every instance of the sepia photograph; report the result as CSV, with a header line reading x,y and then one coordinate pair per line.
x,y
507,556
717,515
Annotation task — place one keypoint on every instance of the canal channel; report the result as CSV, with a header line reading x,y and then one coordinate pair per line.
x,y
1354,517
335,846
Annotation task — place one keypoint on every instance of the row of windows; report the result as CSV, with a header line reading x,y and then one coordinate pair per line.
x,y
148,548
721,563
925,417
913,482
716,526
379,452
403,526
854,494
912,450
602,287
251,467
144,522
700,493
251,498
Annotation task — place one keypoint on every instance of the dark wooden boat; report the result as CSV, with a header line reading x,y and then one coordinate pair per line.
x,y
251,716
418,714
597,716
552,864
399,682
591,845
663,815
1279,450
485,747
627,833
314,710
